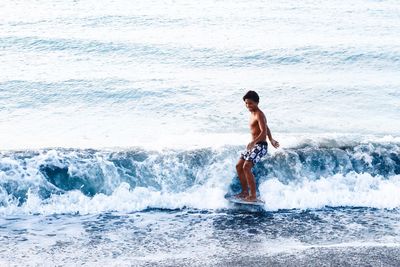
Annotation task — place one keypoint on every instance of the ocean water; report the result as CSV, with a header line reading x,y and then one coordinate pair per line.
x,y
121,123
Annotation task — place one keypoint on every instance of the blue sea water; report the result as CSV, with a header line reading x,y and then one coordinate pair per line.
x,y
121,123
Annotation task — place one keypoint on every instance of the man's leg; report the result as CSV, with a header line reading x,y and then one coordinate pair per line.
x,y
250,180
242,178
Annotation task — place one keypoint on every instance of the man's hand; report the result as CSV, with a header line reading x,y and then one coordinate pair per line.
x,y
274,143
250,146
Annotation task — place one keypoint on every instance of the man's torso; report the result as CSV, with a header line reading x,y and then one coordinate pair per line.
x,y
254,125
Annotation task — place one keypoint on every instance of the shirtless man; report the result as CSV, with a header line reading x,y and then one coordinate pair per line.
x,y
256,149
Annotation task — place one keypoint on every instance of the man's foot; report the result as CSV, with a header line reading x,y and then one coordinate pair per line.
x,y
250,198
241,195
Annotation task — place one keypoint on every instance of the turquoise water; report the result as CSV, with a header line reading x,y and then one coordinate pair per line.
x,y
121,124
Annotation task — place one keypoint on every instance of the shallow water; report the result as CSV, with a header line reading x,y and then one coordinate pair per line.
x,y
199,237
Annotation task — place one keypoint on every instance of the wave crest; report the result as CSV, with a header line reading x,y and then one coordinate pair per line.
x,y
195,178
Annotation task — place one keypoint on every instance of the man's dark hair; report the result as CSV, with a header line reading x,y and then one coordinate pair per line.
x,y
252,96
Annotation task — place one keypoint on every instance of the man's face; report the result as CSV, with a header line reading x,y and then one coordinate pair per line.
x,y
251,105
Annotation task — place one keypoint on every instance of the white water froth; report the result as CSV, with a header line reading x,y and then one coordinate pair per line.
x,y
354,190
122,199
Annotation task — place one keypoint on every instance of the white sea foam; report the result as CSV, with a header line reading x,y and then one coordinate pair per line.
x,y
352,189
122,199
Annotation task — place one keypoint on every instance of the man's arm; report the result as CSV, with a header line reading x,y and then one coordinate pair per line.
x,y
273,142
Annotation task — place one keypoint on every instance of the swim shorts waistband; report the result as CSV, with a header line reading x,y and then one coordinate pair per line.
x,y
262,143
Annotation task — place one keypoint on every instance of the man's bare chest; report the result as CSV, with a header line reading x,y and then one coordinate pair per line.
x,y
253,123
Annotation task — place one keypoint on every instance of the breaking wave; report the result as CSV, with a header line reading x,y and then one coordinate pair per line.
x,y
306,176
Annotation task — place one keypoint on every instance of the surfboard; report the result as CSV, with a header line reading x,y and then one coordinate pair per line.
x,y
237,200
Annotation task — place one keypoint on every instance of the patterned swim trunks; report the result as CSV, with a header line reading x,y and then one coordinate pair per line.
x,y
256,153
